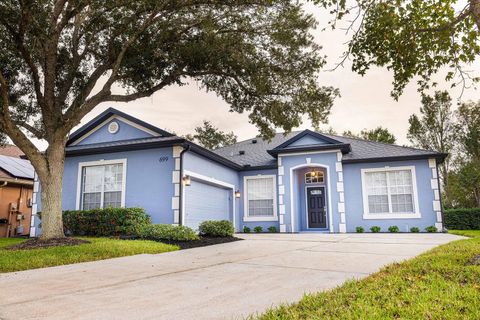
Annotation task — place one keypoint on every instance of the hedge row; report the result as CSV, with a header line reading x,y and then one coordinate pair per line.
x,y
135,222
462,219
166,232
212,228
105,222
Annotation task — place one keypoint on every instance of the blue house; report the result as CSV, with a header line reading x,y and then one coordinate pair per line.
x,y
299,182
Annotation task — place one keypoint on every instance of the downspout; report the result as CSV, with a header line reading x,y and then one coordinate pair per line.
x,y
180,209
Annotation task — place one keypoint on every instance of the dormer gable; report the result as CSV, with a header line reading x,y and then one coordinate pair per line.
x,y
308,140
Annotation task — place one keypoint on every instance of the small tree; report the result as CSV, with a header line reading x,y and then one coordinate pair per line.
x,y
435,128
468,173
211,137
59,59
378,134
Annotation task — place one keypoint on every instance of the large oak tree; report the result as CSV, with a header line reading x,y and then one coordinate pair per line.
x,y
59,59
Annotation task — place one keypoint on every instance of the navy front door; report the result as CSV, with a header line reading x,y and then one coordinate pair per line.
x,y
316,209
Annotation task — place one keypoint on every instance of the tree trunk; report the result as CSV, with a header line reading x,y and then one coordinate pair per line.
x,y
475,8
51,184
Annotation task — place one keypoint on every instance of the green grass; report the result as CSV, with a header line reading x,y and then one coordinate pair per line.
x,y
440,284
466,233
98,249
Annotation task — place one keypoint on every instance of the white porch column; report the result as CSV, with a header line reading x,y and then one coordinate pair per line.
x,y
342,226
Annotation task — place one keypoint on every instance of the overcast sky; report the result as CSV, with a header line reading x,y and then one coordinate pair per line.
x,y
365,102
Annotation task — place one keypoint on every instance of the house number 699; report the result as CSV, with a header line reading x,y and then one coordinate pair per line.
x,y
163,159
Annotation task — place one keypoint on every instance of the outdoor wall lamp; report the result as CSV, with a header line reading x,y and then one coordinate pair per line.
x,y
237,194
186,180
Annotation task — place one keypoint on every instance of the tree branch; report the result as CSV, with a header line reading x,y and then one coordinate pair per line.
x,y
447,26
18,38
17,136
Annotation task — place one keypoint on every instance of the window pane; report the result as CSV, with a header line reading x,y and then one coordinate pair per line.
x,y
92,179
260,208
401,191
377,193
402,203
113,177
260,197
91,200
112,199
314,177
378,204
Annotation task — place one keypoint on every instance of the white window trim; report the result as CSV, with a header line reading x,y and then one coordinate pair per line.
x,y
81,165
246,218
408,215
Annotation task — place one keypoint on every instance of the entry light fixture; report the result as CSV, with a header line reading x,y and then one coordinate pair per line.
x,y
186,180
313,173
237,194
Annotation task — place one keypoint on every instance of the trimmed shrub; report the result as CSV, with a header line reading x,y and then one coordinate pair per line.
x,y
272,229
415,229
104,222
167,232
462,219
393,229
359,229
258,229
211,228
246,229
431,229
375,229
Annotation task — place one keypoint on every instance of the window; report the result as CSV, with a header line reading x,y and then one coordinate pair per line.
x,y
260,198
102,184
314,176
389,193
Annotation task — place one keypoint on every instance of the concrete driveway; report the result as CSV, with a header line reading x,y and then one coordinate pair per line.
x,y
227,281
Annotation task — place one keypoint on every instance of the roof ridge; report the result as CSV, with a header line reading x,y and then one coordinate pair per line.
x,y
379,142
259,137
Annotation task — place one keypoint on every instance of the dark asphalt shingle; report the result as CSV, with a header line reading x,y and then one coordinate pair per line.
x,y
256,153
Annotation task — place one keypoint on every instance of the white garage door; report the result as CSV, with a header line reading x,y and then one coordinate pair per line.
x,y
206,202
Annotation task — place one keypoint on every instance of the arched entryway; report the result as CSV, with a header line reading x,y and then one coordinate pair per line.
x,y
311,198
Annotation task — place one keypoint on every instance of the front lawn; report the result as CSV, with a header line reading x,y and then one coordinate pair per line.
x,y
97,249
443,283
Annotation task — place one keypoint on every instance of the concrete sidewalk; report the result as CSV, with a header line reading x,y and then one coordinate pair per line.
x,y
227,281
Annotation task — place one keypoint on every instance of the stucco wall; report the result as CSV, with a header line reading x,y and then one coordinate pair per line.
x,y
148,180
354,197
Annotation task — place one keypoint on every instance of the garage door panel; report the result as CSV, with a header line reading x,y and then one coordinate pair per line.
x,y
206,202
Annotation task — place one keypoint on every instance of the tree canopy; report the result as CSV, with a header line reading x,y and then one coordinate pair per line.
x,y
457,133
210,137
412,38
59,59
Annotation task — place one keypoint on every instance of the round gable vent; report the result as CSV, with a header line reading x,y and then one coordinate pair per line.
x,y
113,127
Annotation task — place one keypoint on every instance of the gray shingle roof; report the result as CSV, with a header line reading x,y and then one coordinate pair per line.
x,y
121,143
255,154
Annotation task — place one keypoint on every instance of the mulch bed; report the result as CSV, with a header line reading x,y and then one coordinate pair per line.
x,y
38,244
202,242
